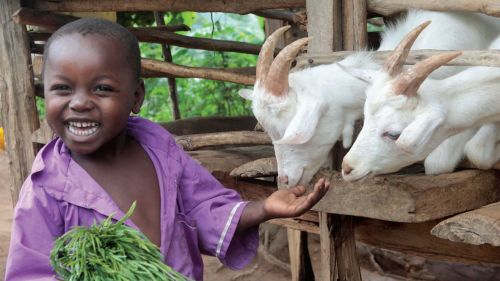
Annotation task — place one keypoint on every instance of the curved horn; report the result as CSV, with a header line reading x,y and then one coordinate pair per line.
x,y
277,78
408,82
266,53
393,65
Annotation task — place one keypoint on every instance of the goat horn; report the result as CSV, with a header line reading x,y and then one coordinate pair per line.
x,y
277,78
408,82
393,65
266,53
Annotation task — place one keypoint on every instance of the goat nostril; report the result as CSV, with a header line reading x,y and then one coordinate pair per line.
x,y
346,168
283,179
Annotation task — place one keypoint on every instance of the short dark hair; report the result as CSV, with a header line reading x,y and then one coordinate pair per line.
x,y
104,28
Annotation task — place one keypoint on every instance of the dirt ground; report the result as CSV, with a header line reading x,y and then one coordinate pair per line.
x,y
377,264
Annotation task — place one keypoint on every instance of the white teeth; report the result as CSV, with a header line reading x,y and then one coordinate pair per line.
x,y
83,128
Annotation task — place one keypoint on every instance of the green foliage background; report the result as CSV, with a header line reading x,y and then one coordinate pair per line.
x,y
199,97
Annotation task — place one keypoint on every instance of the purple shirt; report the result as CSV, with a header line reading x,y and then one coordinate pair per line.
x,y
198,215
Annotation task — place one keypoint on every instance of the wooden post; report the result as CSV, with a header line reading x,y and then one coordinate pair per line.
x,y
354,25
17,96
167,56
324,24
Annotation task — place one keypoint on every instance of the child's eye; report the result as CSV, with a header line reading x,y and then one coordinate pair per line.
x,y
60,88
103,88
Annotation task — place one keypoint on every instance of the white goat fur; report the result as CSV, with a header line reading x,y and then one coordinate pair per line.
x,y
441,109
324,101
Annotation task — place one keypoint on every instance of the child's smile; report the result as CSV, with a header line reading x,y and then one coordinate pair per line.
x,y
90,91
82,128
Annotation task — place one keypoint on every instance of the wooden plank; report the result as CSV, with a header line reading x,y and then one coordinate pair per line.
x,y
324,20
226,159
51,22
354,25
228,6
197,141
210,124
382,7
391,7
468,58
415,238
345,248
297,225
327,247
410,198
175,70
300,262
171,83
481,226
264,167
17,96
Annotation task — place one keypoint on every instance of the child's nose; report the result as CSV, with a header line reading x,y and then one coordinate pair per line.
x,y
81,101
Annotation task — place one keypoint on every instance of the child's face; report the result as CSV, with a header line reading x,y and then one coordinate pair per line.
x,y
90,90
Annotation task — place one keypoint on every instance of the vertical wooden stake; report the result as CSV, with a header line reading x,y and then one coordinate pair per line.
x,y
327,244
17,96
345,248
172,85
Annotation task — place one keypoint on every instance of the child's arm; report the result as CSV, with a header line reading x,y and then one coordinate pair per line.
x,y
36,223
284,203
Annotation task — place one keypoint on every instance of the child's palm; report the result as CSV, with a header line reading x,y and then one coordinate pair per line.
x,y
292,202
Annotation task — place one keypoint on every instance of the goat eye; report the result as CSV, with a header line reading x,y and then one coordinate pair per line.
x,y
391,135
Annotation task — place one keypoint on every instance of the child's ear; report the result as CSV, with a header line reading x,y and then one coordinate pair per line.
x,y
138,97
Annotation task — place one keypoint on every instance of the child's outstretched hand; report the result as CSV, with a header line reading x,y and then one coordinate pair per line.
x,y
291,202
284,203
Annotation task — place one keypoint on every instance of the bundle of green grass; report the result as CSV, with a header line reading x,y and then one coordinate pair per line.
x,y
109,251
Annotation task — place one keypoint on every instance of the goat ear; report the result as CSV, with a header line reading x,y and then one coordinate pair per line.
x,y
246,94
417,134
303,124
365,75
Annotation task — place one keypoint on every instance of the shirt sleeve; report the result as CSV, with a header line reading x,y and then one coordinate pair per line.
x,y
216,211
36,224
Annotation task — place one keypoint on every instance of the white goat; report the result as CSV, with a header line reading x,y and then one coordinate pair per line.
x,y
306,112
483,150
407,116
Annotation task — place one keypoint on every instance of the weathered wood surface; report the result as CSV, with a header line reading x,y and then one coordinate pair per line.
x,y
228,6
211,124
481,226
156,68
17,96
197,141
299,17
415,238
51,22
468,58
44,134
264,167
226,159
354,32
324,25
383,7
390,7
410,198
174,70
327,247
412,238
300,262
171,82
345,248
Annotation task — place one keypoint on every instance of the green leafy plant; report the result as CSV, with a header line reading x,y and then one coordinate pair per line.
x,y
109,251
